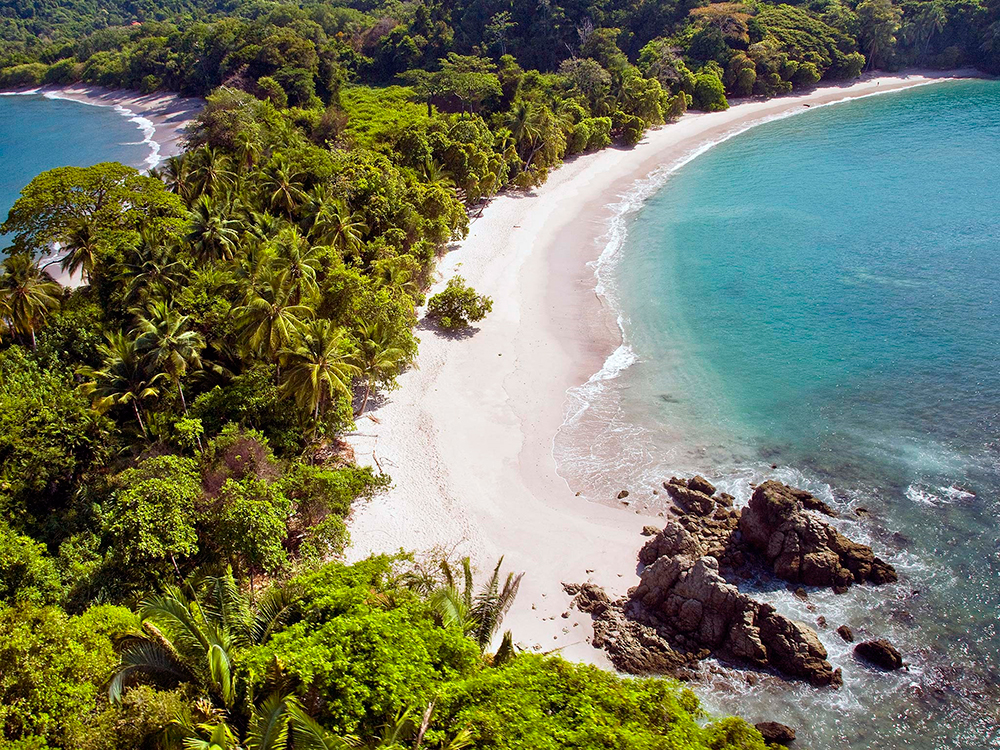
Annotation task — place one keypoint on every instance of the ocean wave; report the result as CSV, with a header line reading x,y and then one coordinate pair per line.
x,y
145,125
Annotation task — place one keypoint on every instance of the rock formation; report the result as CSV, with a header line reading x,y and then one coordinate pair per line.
x,y
800,548
879,652
772,731
686,608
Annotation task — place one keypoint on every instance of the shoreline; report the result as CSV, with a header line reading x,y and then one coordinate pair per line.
x,y
468,437
161,116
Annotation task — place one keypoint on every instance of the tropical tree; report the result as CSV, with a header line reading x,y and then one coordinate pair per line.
x,y
376,356
211,233
336,225
210,174
176,175
80,244
27,294
168,345
283,187
319,368
192,635
268,320
879,23
122,377
297,264
480,615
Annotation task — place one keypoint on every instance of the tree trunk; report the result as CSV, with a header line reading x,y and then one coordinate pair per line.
x,y
180,390
142,426
34,343
364,402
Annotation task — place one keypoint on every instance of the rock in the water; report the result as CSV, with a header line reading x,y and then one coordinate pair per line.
x,y
691,500
879,652
800,548
846,633
650,531
700,484
689,597
623,494
772,731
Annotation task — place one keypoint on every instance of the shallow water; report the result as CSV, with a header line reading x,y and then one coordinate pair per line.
x,y
38,133
822,293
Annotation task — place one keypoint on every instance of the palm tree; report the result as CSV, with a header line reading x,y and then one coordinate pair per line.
x,y
154,267
319,368
297,264
212,235
283,186
190,635
479,615
211,174
337,226
121,379
27,294
168,345
80,245
377,357
176,174
269,321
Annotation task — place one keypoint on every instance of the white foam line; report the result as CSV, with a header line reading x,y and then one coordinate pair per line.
x,y
631,202
145,125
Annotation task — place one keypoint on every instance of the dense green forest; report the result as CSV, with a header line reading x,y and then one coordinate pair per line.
x,y
173,487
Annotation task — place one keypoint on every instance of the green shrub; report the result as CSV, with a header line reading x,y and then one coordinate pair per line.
x,y
458,305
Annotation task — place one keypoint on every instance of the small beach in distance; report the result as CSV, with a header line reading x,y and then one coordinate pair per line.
x,y
469,436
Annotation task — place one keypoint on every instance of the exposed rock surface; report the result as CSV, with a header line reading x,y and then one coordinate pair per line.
x,y
686,608
846,633
800,548
772,731
879,652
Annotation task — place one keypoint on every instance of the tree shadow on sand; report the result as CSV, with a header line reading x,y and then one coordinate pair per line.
x,y
429,324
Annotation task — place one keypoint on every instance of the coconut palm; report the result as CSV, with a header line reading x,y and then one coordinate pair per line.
x,y
376,356
269,320
168,345
297,264
338,227
211,233
319,368
121,379
283,188
27,294
80,245
155,267
211,174
478,614
176,174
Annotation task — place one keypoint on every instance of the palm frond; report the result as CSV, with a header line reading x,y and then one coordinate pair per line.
x,y
145,660
269,724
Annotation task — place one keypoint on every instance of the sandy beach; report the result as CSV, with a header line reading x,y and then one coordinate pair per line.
x,y
467,437
162,116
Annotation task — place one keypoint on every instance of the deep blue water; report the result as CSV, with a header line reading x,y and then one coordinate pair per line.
x,y
822,293
37,134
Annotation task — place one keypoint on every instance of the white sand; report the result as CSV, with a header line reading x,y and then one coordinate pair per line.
x,y
467,438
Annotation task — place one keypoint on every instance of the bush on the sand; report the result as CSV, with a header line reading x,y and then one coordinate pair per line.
x,y
458,305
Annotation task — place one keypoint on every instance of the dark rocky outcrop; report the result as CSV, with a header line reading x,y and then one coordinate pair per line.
x,y
846,633
686,608
772,731
879,652
800,548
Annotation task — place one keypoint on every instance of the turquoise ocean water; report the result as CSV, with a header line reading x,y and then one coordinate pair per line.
x,y
39,133
822,294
